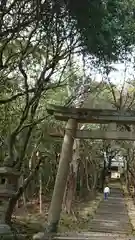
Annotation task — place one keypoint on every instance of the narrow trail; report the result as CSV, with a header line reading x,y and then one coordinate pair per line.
x,y
112,215
110,222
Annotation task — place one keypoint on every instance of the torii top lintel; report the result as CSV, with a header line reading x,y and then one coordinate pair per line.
x,y
89,115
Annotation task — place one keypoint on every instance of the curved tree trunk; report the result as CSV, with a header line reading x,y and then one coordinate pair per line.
x,y
70,190
94,179
71,183
87,175
82,176
18,194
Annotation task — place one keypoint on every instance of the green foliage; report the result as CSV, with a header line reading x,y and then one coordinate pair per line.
x,y
37,68
107,27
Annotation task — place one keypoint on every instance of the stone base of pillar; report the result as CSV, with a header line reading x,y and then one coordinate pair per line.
x,y
39,236
43,236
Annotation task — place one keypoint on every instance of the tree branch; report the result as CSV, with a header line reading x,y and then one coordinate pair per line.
x,y
18,194
33,123
4,101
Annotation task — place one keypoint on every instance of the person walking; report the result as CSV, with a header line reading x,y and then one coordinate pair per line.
x,y
106,192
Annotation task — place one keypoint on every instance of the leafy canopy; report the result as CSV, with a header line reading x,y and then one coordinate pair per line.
x,y
107,28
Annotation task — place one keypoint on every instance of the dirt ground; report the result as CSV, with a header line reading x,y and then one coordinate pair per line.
x,y
130,207
28,220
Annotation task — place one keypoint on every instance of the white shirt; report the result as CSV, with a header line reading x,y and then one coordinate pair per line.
x,y
106,190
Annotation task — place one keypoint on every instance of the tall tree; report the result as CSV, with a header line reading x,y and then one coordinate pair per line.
x,y
34,41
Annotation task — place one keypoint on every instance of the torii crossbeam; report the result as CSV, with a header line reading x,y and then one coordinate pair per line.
x,y
86,115
98,134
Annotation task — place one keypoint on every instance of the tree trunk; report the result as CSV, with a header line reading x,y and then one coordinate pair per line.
x,y
61,178
87,175
82,173
18,194
103,175
24,193
127,176
70,191
40,190
94,178
72,178
64,198
71,183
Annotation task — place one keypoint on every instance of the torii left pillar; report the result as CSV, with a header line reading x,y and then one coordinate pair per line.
x,y
61,177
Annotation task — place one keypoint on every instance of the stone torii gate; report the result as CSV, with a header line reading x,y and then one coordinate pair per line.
x,y
73,116
98,134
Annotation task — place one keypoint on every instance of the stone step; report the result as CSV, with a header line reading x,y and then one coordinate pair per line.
x,y
109,203
113,197
114,200
111,216
109,211
110,230
116,191
92,238
110,226
87,236
113,210
123,220
109,223
117,195
112,206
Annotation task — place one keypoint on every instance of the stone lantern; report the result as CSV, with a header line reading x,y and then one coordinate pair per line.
x,y
8,187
